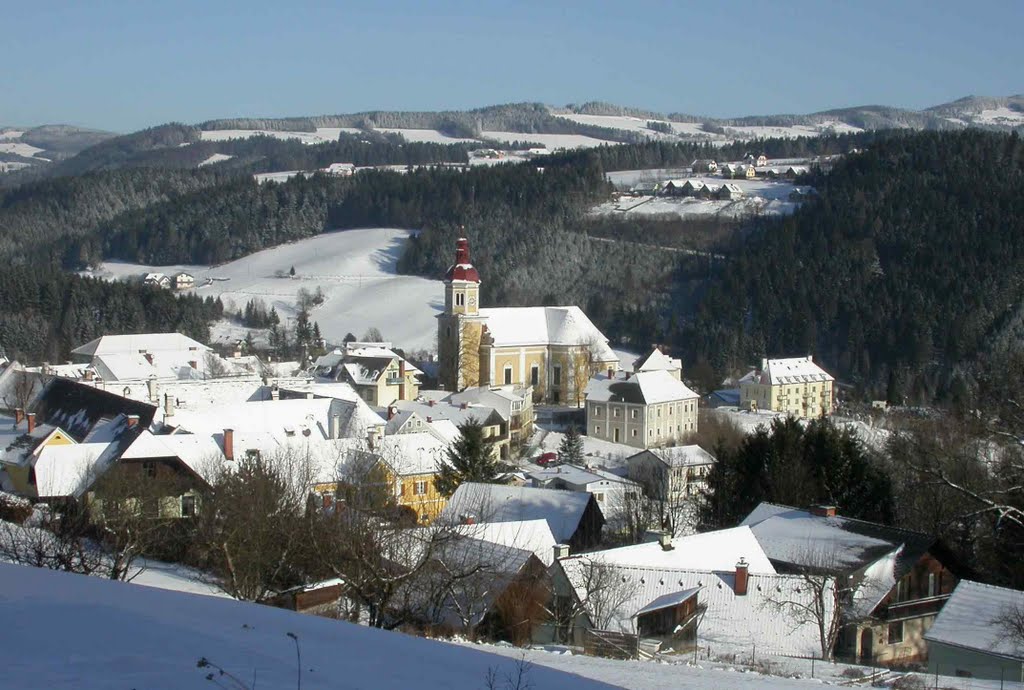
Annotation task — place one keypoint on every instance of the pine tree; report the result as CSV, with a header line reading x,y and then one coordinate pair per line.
x,y
570,450
469,459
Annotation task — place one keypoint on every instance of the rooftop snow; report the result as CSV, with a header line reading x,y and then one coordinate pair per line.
x,y
970,619
499,503
509,326
642,388
717,551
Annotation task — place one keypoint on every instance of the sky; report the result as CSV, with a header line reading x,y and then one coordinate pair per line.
x,y
123,66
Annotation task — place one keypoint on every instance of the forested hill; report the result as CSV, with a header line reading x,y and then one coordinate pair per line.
x,y
906,276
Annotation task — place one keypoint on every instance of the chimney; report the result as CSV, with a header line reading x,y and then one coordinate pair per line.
x,y
741,578
168,405
611,372
561,551
468,518
823,511
133,420
88,374
764,364
153,396
430,420
19,415
275,392
392,410
810,358
628,374
464,406
229,444
401,376
665,541
431,402
149,357
31,417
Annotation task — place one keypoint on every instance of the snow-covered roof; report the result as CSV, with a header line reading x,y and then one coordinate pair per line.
x,y
533,535
510,326
757,619
501,398
68,470
413,453
578,476
642,388
720,550
658,361
562,510
457,414
792,370
667,600
680,456
139,342
798,538
971,619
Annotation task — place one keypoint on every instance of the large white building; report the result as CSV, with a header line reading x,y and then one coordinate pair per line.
x,y
796,386
643,410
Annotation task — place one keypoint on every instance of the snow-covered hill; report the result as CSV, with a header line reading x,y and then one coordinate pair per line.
x,y
73,631
354,268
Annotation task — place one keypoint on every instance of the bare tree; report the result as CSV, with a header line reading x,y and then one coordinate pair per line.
x,y
583,365
54,541
600,592
821,599
215,366
1011,624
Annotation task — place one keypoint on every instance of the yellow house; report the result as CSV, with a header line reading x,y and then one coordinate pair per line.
x,y
555,350
28,441
377,373
796,386
408,464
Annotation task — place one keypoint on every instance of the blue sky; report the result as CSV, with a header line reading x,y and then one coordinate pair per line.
x,y
127,65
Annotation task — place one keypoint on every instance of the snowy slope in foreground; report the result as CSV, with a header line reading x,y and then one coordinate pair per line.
x,y
354,268
80,632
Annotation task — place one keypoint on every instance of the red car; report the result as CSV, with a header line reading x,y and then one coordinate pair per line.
x,y
547,459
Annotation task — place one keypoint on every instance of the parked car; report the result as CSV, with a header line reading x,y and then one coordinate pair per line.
x,y
547,459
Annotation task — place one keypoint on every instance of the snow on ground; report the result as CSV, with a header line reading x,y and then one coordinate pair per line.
x,y
216,158
175,577
764,132
320,136
8,134
626,358
626,179
688,207
75,631
1000,116
550,141
428,136
354,268
19,149
873,436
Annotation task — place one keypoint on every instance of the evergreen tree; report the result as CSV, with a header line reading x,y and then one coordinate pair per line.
x,y
469,459
570,450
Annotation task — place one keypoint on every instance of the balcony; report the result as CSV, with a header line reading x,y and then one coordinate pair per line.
x,y
914,608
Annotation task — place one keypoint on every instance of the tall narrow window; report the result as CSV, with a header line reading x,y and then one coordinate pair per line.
x,y
508,374
534,375
556,375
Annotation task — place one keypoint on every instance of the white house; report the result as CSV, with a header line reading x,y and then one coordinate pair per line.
x,y
644,410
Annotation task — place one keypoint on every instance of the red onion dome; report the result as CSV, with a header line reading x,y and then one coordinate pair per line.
x,y
462,269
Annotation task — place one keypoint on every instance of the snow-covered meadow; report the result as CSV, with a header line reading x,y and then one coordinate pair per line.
x,y
354,268
761,197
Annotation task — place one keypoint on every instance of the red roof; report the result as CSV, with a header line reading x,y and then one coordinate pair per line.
x,y
462,269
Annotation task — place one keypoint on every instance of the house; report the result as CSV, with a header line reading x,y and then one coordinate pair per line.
x,y
970,637
795,170
532,535
513,403
142,356
729,192
69,435
730,610
761,161
574,518
898,580
796,386
704,165
157,279
728,170
659,361
643,410
745,171
554,350
687,187
378,373
184,281
434,410
676,474
407,464
612,492
340,169
716,551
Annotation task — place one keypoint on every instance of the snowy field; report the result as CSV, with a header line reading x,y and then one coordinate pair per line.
x,y
216,158
426,136
354,268
18,148
320,136
74,631
764,197
763,132
550,141
1000,116
873,436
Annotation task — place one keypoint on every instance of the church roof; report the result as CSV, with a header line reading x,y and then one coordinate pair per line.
x,y
462,269
512,326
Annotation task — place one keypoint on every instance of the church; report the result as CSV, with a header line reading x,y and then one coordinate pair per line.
x,y
553,349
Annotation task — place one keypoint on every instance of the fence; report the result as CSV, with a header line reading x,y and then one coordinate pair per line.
x,y
614,645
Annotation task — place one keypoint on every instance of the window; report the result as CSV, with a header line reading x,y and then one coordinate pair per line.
x,y
534,375
933,584
419,488
149,469
615,412
597,430
632,414
460,300
508,374
895,632
188,506
599,497
634,433
595,410
556,376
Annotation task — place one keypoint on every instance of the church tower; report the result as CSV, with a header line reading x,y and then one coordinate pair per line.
x,y
460,325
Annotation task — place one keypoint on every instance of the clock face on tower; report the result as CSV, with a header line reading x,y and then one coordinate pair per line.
x,y
472,301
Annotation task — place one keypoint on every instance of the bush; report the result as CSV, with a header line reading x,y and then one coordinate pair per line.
x,y
14,508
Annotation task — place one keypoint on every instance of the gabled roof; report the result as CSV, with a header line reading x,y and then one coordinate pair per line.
x,y
679,456
562,510
148,342
969,620
77,408
69,470
533,535
668,600
579,476
732,622
720,550
657,361
415,453
508,326
642,388
795,538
